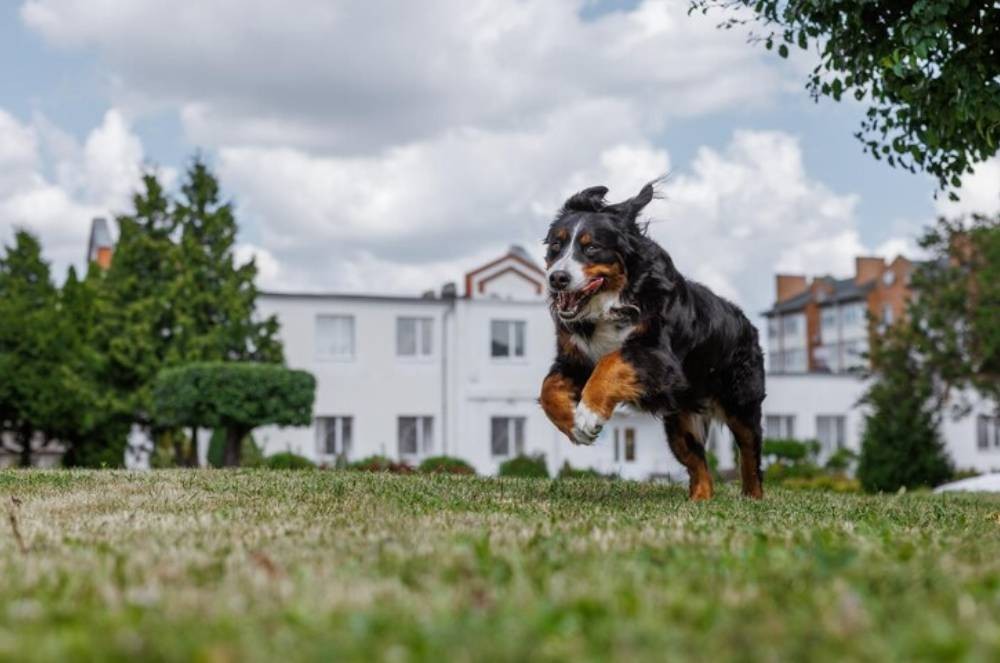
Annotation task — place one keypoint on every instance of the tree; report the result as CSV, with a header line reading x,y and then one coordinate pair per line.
x,y
901,446
929,72
135,324
39,392
956,313
235,396
215,298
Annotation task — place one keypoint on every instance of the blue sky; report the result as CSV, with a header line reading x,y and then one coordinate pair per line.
x,y
373,147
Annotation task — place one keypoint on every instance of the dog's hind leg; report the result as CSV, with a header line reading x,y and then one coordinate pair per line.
x,y
686,435
746,428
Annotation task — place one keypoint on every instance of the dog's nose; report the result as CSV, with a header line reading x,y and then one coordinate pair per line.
x,y
559,280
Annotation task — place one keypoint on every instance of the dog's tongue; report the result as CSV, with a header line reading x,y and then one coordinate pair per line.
x,y
593,285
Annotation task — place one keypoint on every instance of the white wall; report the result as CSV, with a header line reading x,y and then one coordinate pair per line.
x,y
375,387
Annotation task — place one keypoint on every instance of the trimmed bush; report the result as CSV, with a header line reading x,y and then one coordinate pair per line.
x,y
525,466
445,465
236,396
785,449
567,471
380,464
286,460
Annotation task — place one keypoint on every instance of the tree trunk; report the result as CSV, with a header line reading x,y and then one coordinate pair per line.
x,y
192,455
177,438
234,446
24,438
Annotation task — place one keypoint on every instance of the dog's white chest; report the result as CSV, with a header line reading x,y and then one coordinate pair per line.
x,y
607,337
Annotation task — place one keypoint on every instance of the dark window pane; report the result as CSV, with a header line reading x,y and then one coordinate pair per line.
x,y
499,442
346,433
428,431
407,436
518,339
519,435
406,337
629,444
426,336
499,339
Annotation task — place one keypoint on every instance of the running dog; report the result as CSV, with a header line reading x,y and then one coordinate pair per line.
x,y
632,330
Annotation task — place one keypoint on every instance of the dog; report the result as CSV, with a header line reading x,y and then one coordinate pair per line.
x,y
631,330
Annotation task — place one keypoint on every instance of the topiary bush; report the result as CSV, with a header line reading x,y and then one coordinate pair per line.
x,y
380,464
236,396
250,454
445,465
525,466
785,449
286,460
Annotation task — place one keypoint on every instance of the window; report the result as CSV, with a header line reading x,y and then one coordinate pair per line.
x,y
506,436
335,336
506,338
414,337
795,361
887,312
830,432
888,277
828,324
853,315
625,444
779,426
790,325
416,436
334,435
987,432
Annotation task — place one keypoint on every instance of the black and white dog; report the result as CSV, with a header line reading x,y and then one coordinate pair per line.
x,y
631,329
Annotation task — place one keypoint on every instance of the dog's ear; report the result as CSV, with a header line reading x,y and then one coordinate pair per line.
x,y
588,200
629,209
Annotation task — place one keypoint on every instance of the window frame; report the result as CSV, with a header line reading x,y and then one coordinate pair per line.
x,y
985,424
787,426
512,425
322,434
423,329
512,326
839,422
424,436
322,356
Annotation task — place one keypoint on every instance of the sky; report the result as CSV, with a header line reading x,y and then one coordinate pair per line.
x,y
388,147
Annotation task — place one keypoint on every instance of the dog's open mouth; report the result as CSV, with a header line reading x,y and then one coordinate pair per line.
x,y
569,303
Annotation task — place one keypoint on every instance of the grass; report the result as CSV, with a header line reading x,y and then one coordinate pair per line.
x,y
264,565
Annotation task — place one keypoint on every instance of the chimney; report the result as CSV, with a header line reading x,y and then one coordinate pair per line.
x,y
788,285
868,269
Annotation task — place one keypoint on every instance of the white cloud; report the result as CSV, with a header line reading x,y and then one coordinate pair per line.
x,y
358,76
93,179
980,193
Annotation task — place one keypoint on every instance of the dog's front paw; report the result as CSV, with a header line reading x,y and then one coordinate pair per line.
x,y
587,425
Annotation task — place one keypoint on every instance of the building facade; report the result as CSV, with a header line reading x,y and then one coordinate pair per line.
x,y
818,334
448,373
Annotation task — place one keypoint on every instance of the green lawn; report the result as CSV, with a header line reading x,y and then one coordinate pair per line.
x,y
257,565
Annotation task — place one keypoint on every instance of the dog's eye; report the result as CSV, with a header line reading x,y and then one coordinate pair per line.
x,y
591,250
555,247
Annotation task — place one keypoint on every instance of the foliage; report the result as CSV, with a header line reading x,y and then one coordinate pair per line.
x,y
256,565
782,470
445,465
380,464
954,315
286,460
900,446
929,72
525,466
567,471
842,460
237,396
836,483
785,449
250,456
41,393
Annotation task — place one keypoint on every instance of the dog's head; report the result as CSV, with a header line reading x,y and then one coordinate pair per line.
x,y
590,245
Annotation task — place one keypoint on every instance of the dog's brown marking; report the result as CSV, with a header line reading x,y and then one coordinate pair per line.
x,y
585,239
562,234
613,381
567,347
558,400
612,273
685,435
749,457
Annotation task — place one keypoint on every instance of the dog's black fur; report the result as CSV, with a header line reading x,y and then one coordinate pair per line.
x,y
693,354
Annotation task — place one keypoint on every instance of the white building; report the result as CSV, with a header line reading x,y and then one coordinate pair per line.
x,y
817,336
411,377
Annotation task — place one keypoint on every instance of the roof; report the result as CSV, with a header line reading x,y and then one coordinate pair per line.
x,y
353,296
844,290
